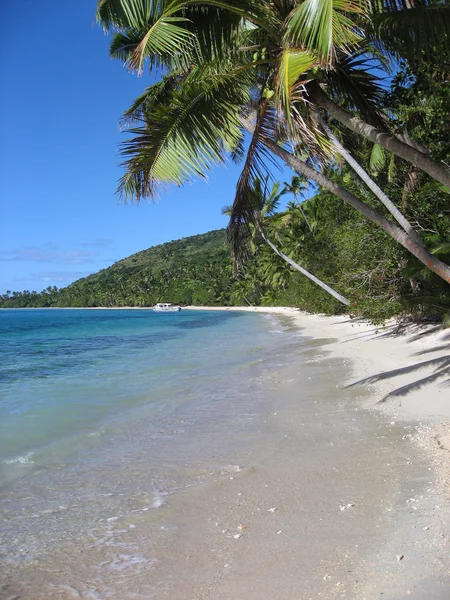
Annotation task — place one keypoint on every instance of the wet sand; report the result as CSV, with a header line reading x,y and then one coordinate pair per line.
x,y
334,500
393,456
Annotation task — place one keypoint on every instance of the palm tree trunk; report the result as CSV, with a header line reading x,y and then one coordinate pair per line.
x,y
405,224
307,274
420,160
397,234
304,216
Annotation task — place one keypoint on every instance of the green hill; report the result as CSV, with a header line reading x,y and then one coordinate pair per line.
x,y
344,250
193,270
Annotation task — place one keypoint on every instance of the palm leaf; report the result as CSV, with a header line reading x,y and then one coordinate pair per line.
x,y
183,132
134,14
354,85
255,170
443,248
420,30
323,26
377,158
154,95
293,67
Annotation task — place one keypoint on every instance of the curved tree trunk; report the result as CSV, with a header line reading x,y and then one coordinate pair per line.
x,y
371,184
420,160
400,236
307,274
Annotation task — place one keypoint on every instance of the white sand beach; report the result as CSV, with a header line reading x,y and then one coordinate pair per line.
x,y
405,374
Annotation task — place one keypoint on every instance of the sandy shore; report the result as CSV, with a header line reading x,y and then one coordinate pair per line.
x,y
406,368
404,376
344,494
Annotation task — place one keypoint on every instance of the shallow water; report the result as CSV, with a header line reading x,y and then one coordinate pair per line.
x,y
105,413
199,455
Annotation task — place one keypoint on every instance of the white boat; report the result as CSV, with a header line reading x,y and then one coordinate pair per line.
x,y
166,307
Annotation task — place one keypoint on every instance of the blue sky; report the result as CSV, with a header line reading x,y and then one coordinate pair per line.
x,y
62,99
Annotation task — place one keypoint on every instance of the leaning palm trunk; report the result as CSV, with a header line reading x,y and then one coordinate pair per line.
x,y
409,153
397,234
371,184
304,216
307,274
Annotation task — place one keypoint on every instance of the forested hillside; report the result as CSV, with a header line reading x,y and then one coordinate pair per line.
x,y
194,270
330,239
366,132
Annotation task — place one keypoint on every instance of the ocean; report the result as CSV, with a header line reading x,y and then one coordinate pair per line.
x,y
106,413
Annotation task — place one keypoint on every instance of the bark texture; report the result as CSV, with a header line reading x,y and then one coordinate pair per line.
x,y
307,274
400,236
371,184
420,160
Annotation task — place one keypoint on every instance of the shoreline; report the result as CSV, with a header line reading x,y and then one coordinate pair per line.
x,y
405,372
405,368
343,492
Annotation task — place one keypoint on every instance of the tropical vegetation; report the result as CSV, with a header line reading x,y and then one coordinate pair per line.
x,y
278,69
353,95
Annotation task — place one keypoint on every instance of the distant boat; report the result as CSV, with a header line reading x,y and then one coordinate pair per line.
x,y
166,307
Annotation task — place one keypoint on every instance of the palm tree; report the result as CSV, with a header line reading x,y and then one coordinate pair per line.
x,y
298,35
298,187
263,66
264,204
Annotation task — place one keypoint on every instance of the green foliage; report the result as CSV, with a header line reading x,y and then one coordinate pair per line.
x,y
342,249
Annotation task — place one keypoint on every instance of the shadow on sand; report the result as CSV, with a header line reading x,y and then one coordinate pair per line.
x,y
440,367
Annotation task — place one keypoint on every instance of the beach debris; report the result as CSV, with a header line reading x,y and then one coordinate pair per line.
x,y
237,536
242,527
346,506
426,528
233,469
279,532
272,510
327,577
400,557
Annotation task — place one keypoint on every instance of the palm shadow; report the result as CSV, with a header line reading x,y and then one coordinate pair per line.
x,y
441,369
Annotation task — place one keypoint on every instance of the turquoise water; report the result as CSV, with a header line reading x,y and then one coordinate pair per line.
x,y
65,373
106,412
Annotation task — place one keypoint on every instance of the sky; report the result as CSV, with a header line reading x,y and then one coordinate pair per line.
x,y
62,98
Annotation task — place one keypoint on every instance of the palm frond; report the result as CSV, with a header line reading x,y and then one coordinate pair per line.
x,y
321,27
157,42
353,83
442,248
114,15
419,30
216,31
183,136
392,168
164,37
377,158
292,74
255,169
158,93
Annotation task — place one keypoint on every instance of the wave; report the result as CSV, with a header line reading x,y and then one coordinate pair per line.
x,y
26,459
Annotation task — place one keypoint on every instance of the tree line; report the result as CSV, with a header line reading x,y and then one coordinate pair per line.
x,y
353,96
